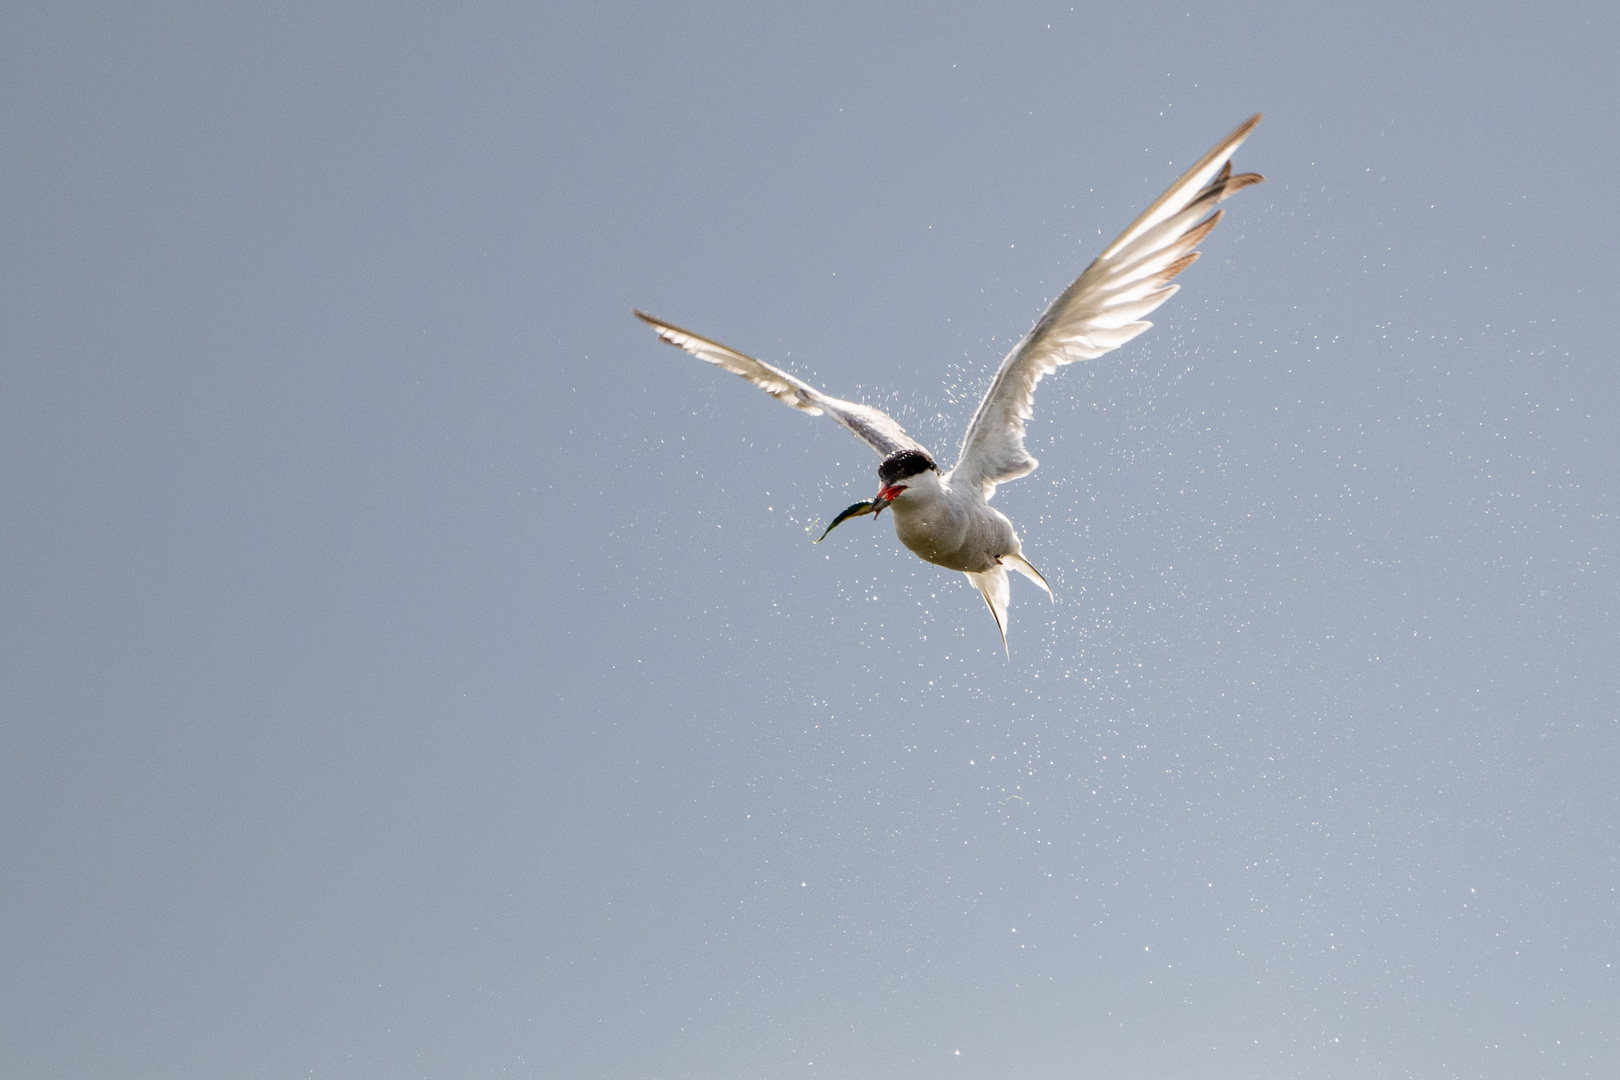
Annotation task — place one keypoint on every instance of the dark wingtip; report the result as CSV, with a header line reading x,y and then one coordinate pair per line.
x,y
660,326
1169,272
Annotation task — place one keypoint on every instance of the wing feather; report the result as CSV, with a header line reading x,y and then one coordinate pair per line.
x,y
877,429
1101,311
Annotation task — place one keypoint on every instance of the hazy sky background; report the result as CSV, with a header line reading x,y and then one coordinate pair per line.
x,y
409,667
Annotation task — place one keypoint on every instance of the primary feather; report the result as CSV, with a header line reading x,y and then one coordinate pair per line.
x,y
1101,311
875,428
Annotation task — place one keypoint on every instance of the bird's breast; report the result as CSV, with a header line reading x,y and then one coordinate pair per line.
x,y
950,536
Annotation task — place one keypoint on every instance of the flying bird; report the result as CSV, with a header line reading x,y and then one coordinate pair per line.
x,y
945,517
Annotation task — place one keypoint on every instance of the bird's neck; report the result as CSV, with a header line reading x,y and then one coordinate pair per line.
x,y
922,490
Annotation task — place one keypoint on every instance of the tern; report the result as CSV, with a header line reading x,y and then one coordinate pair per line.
x,y
945,517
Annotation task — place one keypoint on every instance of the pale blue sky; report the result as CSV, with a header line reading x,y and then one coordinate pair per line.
x,y
411,668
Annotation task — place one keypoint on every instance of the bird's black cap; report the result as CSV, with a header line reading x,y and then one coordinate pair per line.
x,y
903,463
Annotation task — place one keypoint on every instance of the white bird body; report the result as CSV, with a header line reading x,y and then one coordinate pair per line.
x,y
950,527
947,519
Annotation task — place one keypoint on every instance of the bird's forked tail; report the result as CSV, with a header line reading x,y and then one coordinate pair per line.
x,y
992,585
1022,565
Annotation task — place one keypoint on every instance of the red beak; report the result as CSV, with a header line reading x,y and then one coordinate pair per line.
x,y
887,496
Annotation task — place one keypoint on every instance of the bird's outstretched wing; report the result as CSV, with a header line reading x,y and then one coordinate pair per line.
x,y
873,427
1101,311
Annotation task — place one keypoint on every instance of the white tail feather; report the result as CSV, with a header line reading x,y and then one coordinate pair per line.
x,y
992,585
1021,564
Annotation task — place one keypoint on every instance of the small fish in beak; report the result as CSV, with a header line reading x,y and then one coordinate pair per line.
x,y
860,509
889,493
